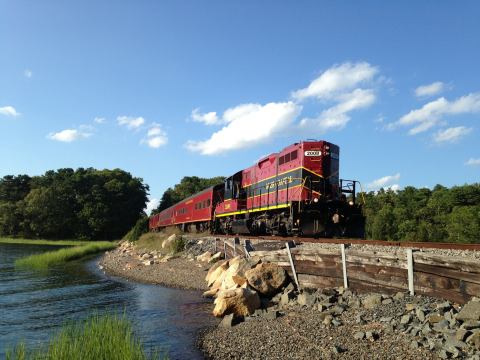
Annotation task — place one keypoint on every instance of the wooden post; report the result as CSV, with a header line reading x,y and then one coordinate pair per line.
x,y
234,247
410,271
247,254
292,265
215,246
344,266
224,249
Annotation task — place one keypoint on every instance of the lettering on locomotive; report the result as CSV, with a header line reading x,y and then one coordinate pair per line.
x,y
280,182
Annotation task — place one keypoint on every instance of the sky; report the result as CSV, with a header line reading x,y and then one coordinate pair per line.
x,y
166,89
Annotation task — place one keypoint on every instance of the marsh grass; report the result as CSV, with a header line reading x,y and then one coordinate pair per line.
x,y
44,242
99,337
56,257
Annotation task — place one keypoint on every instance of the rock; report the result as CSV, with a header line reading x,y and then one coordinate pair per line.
x,y
337,310
405,319
286,297
146,256
387,301
399,296
452,342
441,325
336,322
371,335
205,257
240,302
235,274
434,318
414,344
306,299
474,340
470,325
327,320
148,262
420,315
386,319
461,334
167,243
443,307
211,293
443,354
216,257
213,269
359,335
410,307
167,258
266,278
471,311
359,319
372,301
227,321
426,330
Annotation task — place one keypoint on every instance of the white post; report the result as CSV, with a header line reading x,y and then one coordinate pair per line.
x,y
344,266
292,265
410,271
234,248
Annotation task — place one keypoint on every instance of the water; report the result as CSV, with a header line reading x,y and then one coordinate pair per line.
x,y
34,305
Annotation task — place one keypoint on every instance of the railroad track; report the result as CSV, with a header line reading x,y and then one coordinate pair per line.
x,y
401,244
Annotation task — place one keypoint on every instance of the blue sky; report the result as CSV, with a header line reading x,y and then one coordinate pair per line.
x,y
166,89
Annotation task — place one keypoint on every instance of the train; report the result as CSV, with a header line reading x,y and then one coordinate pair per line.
x,y
296,191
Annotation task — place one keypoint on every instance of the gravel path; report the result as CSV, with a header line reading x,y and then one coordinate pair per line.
x,y
178,272
301,334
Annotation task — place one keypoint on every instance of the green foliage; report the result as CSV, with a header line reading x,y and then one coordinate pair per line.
x,y
98,337
188,186
140,228
56,257
412,214
178,245
67,203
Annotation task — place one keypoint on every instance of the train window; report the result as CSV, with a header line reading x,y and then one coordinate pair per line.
x,y
208,202
204,204
287,157
281,160
293,155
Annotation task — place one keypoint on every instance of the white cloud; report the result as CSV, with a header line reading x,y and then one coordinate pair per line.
x,y
130,122
337,117
248,125
432,113
28,73
209,118
152,204
99,120
430,90
156,137
451,135
337,80
473,162
69,135
9,111
386,182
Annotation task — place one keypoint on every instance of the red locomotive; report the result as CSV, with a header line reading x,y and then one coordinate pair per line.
x,y
294,191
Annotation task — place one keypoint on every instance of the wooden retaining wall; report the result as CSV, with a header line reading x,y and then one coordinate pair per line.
x,y
450,278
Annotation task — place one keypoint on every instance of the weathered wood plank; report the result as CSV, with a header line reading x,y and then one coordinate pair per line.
x,y
312,281
437,282
448,272
454,263
364,287
443,294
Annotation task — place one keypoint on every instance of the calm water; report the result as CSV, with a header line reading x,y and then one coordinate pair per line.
x,y
33,305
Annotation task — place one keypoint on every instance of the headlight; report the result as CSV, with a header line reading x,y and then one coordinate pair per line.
x,y
350,203
315,200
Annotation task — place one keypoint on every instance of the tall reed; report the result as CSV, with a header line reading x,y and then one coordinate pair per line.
x,y
99,337
51,258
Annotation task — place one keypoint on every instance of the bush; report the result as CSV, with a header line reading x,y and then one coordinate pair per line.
x,y
140,228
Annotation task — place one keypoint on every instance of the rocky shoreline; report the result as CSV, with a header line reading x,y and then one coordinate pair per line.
x,y
299,323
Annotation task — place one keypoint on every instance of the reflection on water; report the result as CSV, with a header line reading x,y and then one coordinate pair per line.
x,y
33,305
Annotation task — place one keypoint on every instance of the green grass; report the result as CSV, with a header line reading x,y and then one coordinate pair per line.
x,y
44,242
98,337
56,257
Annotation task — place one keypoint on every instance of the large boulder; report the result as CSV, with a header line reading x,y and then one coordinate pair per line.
x,y
266,278
213,272
167,243
205,257
235,274
240,302
471,311
372,301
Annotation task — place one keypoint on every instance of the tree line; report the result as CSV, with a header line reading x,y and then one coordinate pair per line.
x,y
411,214
71,204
